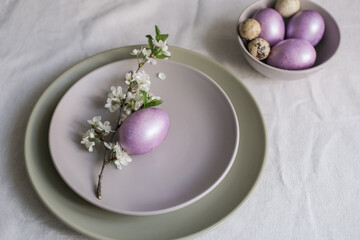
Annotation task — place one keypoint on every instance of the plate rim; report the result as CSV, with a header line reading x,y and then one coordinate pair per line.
x,y
200,195
83,62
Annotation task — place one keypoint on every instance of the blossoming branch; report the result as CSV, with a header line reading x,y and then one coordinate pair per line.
x,y
136,97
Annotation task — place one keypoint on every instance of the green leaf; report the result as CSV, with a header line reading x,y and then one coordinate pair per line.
x,y
153,103
157,51
157,30
150,41
161,56
144,97
151,44
162,37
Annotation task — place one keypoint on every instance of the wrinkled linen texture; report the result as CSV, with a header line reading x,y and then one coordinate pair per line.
x,y
310,187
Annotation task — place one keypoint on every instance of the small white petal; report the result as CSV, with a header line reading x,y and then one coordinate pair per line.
x,y
128,76
123,162
167,53
117,164
161,76
107,145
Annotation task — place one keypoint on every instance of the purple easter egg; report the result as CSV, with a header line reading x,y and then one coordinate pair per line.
x,y
143,131
308,25
292,54
272,25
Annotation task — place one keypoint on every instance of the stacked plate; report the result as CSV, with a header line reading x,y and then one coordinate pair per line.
x,y
200,174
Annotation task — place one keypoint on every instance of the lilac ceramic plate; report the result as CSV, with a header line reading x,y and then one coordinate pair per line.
x,y
197,153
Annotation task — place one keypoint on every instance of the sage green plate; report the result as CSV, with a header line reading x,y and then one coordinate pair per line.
x,y
187,222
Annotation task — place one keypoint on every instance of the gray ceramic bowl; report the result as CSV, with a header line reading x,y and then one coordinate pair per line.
x,y
325,50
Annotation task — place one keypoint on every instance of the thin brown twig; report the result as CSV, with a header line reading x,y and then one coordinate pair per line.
x,y
98,188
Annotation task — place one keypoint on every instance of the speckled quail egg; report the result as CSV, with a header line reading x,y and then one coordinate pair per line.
x,y
250,29
287,8
259,48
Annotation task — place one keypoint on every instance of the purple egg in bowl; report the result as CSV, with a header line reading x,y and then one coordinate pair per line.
x,y
308,25
143,131
292,54
272,25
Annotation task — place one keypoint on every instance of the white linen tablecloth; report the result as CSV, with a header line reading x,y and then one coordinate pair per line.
x,y
310,188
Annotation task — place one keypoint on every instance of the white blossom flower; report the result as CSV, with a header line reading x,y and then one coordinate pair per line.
x,y
134,98
161,76
104,127
130,96
115,98
128,78
135,52
123,159
95,120
89,133
164,47
146,52
143,80
88,144
133,102
161,44
116,92
112,104
152,61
